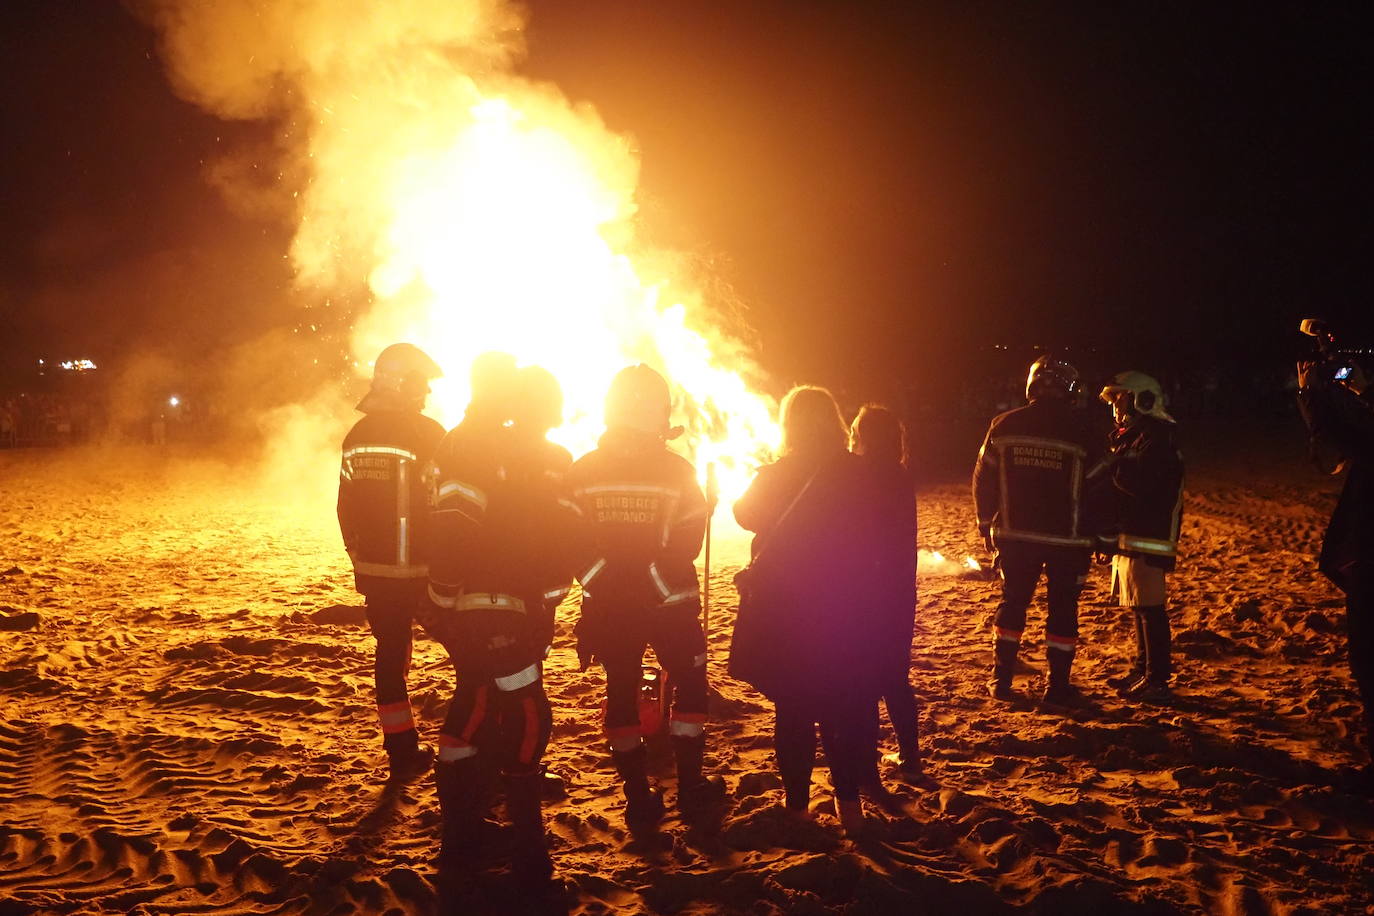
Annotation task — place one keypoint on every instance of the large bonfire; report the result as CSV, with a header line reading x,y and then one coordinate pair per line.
x,y
481,210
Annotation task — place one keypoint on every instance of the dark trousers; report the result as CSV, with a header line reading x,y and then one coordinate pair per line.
x,y
390,621
680,647
1065,570
1359,618
847,730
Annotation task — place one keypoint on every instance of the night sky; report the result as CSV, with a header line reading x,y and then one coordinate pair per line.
x,y
890,188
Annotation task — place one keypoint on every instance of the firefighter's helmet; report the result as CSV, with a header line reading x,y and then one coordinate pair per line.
x,y
400,379
639,399
1147,396
1050,377
538,400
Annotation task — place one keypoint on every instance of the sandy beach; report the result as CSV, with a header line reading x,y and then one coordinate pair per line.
x,y
187,726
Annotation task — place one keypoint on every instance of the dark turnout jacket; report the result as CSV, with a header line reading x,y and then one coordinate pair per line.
x,y
1029,483
1146,497
1343,422
506,533
646,516
383,502
827,616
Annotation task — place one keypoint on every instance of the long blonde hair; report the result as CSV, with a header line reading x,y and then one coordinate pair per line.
x,y
811,423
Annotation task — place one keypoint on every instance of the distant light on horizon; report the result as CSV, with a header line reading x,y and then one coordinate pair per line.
x,y
75,365
174,401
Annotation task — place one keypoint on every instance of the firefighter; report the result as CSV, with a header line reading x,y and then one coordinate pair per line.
x,y
647,518
382,513
1145,470
1028,487
503,529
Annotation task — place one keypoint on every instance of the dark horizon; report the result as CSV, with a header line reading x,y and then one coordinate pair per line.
x,y
888,190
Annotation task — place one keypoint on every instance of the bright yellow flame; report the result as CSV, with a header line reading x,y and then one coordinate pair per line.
x,y
973,564
937,556
513,231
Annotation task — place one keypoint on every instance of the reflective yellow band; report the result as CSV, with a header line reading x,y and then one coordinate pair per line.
x,y
1147,545
390,570
472,494
485,601
1035,537
522,678
380,450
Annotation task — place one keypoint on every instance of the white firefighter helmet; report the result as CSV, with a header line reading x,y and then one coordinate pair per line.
x,y
1147,395
1053,378
639,399
400,379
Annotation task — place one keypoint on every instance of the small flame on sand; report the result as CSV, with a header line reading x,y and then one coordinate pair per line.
x,y
972,564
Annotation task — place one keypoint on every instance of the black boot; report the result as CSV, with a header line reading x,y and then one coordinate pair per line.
x,y
1059,692
695,791
406,757
1158,655
1137,669
643,802
1003,666
530,861
459,785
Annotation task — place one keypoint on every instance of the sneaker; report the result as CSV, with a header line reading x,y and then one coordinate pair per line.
x,y
403,766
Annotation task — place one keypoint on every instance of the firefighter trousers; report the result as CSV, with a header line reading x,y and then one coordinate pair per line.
x,y
499,712
675,634
1065,570
390,620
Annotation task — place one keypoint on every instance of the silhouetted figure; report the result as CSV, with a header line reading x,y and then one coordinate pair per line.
x,y
647,516
1145,505
817,642
383,511
504,535
879,438
1340,417
1028,486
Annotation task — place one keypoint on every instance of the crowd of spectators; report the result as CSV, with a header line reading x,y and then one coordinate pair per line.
x,y
47,418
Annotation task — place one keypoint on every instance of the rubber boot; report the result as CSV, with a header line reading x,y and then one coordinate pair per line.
x,y
1003,666
1137,669
695,791
643,802
530,861
406,757
1158,655
1059,692
459,785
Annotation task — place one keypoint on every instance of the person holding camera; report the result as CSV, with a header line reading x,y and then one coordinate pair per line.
x,y
1146,497
1336,403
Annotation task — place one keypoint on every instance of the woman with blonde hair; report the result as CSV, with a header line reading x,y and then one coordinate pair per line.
x,y
809,639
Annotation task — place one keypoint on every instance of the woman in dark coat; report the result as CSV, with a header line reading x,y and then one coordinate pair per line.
x,y
812,637
879,438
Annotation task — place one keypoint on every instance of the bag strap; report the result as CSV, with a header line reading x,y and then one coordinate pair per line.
x,y
769,537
